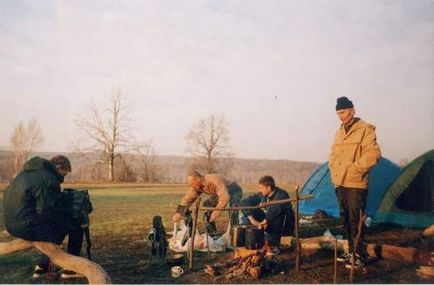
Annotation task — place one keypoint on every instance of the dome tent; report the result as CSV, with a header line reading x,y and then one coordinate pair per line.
x,y
409,201
319,184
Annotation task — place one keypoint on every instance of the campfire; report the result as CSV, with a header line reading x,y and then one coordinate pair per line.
x,y
247,263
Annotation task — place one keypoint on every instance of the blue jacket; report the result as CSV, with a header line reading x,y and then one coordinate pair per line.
x,y
271,212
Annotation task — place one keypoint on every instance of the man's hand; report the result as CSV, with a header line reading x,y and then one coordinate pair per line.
x,y
177,217
263,224
253,221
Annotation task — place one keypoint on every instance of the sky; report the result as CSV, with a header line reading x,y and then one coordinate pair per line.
x,y
272,68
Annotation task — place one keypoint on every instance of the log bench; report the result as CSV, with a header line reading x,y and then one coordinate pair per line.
x,y
94,273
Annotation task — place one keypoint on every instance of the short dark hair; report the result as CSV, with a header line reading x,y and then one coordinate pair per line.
x,y
195,174
62,161
267,180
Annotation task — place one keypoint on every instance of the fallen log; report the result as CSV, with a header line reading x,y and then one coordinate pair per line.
x,y
429,232
94,273
425,272
408,255
391,252
317,242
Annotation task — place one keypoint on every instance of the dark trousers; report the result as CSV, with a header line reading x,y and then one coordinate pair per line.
x,y
56,232
276,228
352,202
235,193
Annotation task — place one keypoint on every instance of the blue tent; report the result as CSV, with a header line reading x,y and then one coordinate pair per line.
x,y
319,184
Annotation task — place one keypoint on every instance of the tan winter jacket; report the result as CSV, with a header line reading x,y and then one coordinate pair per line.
x,y
215,185
353,155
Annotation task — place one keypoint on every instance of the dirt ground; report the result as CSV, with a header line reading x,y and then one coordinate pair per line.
x,y
130,265
126,260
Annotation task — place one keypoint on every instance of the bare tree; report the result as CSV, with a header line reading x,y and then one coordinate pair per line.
x,y
24,141
106,133
124,170
149,168
208,142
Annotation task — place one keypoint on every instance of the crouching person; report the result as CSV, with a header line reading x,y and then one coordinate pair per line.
x,y
36,209
277,220
222,193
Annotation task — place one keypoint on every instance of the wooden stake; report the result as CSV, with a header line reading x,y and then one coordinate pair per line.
x,y
297,233
335,274
193,234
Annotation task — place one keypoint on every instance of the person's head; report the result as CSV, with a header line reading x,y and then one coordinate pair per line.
x,y
62,163
266,185
194,180
345,110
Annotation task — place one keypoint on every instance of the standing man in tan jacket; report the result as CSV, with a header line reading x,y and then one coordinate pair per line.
x,y
222,191
354,152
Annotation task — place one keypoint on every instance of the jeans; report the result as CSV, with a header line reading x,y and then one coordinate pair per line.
x,y
56,232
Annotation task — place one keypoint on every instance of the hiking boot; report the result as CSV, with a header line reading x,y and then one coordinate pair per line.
x,y
48,273
344,257
39,272
69,274
358,263
52,272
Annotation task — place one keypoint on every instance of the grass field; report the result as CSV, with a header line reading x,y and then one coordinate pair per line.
x,y
120,222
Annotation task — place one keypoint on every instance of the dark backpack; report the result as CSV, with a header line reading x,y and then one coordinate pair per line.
x,y
81,207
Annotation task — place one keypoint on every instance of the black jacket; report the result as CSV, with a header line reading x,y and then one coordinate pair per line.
x,y
34,196
271,212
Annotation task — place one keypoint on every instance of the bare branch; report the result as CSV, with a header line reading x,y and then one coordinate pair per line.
x,y
24,141
208,141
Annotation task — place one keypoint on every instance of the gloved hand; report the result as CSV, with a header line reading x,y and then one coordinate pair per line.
x,y
207,216
211,229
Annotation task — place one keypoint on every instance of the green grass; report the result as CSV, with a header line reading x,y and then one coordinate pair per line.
x,y
121,219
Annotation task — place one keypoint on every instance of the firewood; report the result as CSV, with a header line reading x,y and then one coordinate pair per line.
x,y
425,272
244,253
210,271
428,232
238,272
243,267
255,272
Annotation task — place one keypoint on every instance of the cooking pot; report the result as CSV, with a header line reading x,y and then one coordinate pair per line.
x,y
254,238
238,234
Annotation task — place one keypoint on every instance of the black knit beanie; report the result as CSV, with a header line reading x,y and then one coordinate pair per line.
x,y
343,103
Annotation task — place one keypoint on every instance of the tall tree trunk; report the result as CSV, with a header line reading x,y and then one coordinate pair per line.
x,y
111,173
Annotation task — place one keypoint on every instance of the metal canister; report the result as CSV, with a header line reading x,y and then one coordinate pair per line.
x,y
238,234
254,238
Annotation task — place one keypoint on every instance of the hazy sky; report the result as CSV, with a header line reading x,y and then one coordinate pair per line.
x,y
273,68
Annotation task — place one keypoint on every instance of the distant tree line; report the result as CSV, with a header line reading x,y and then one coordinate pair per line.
x,y
105,151
168,169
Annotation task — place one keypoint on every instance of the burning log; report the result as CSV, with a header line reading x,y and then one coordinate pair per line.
x,y
246,264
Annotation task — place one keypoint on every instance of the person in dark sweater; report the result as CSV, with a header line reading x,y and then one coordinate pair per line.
x,y
277,220
36,209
